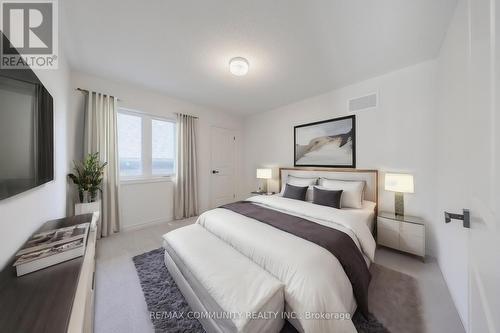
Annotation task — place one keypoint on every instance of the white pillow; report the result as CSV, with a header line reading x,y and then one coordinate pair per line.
x,y
299,181
352,195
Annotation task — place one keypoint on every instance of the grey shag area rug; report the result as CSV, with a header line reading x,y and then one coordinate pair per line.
x,y
393,296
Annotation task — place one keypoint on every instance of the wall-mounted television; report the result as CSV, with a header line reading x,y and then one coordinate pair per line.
x,y
26,132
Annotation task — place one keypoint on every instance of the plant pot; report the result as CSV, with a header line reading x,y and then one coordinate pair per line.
x,y
93,196
87,208
83,197
88,197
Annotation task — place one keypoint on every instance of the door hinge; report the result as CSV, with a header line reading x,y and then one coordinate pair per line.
x,y
234,196
234,138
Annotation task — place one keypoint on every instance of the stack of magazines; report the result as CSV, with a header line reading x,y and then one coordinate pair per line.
x,y
51,247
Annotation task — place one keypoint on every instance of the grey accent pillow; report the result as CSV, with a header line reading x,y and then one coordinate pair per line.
x,y
300,181
295,192
329,198
352,196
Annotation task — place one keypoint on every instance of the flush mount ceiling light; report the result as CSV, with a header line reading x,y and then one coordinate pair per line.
x,y
238,66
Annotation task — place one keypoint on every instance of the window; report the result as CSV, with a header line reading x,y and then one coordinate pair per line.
x,y
163,150
146,145
130,144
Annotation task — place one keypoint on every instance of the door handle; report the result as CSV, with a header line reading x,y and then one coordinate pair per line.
x,y
464,217
215,171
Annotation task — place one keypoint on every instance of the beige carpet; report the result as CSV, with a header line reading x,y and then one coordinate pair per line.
x,y
394,299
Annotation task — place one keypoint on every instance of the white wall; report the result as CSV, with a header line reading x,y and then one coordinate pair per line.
x,y
400,135
152,201
22,214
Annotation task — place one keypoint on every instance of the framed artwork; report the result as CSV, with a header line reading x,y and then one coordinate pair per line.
x,y
328,143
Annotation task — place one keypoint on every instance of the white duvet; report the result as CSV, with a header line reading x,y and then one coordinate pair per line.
x,y
316,285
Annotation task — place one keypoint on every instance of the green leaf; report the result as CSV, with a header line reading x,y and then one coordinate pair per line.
x,y
88,174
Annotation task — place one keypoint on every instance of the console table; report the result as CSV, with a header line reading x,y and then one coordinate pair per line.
x,y
55,299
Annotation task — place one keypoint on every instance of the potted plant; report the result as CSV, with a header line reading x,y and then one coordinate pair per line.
x,y
88,177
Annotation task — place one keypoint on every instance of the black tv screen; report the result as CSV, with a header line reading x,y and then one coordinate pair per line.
x,y
26,132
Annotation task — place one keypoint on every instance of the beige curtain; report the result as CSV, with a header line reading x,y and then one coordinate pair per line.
x,y
101,136
186,185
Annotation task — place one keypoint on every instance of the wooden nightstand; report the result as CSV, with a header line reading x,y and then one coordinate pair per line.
x,y
403,233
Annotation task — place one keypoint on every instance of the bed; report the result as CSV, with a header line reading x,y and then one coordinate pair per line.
x,y
320,292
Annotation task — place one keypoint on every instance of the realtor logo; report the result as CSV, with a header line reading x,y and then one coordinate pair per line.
x,y
29,34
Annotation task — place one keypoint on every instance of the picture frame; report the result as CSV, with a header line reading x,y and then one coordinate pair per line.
x,y
328,143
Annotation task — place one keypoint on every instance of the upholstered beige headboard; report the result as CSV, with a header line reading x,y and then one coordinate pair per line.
x,y
369,176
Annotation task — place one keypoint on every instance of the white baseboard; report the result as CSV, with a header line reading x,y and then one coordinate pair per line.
x,y
146,224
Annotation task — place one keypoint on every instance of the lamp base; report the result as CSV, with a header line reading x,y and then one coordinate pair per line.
x,y
399,204
263,185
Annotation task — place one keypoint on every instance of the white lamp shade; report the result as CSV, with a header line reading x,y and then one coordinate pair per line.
x,y
264,173
399,182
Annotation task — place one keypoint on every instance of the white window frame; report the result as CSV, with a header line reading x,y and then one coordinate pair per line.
x,y
147,148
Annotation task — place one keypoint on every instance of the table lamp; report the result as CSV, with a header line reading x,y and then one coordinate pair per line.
x,y
400,183
264,174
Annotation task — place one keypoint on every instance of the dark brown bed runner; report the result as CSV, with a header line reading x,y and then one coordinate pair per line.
x,y
335,241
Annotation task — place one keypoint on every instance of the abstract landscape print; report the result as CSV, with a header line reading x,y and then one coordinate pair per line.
x,y
328,143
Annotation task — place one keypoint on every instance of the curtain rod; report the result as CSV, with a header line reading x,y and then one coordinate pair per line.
x,y
195,117
85,90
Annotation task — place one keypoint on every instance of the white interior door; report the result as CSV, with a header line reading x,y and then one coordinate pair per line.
x,y
483,191
223,162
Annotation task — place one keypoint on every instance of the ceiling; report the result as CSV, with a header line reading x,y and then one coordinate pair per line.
x,y
296,48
